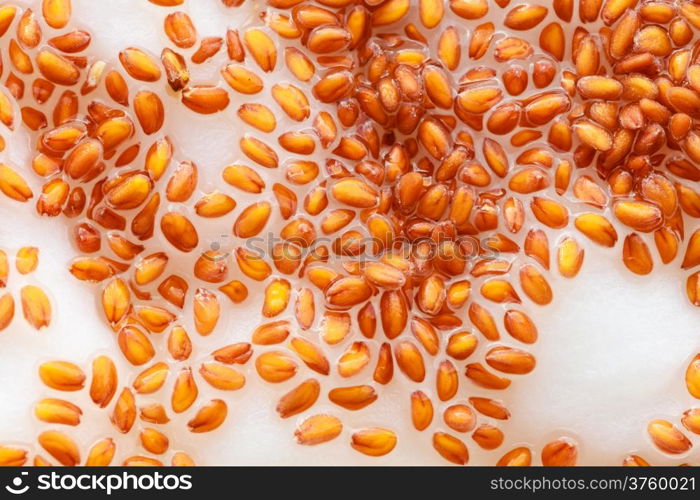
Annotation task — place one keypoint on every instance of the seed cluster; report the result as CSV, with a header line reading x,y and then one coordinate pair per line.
x,y
418,224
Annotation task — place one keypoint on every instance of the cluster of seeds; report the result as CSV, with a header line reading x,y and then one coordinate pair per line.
x,y
454,137
36,306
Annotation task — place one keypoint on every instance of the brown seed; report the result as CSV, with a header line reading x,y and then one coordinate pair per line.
x,y
451,448
318,429
61,447
209,417
667,437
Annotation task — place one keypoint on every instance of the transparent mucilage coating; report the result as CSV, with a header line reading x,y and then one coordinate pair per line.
x,y
506,127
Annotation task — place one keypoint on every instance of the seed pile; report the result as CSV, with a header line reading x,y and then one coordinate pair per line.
x,y
414,249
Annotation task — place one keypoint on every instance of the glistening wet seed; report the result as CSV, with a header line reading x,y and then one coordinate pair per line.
x,y
419,169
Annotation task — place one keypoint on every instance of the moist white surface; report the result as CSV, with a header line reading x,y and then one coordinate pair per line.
x,y
611,354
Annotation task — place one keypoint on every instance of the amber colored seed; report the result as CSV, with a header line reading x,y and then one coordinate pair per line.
x,y
205,99
57,411
135,345
259,152
275,366
318,429
12,184
151,379
459,417
101,453
421,410
139,65
692,377
104,381
11,456
182,459
179,28
7,310
150,268
517,457
636,255
124,413
569,257
209,417
262,48
149,111
185,391
20,59
597,228
154,441
638,215
560,453
299,399
354,397
35,306
450,448
667,437
241,79
206,311
117,87
310,354
27,259
410,360
375,441
61,447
